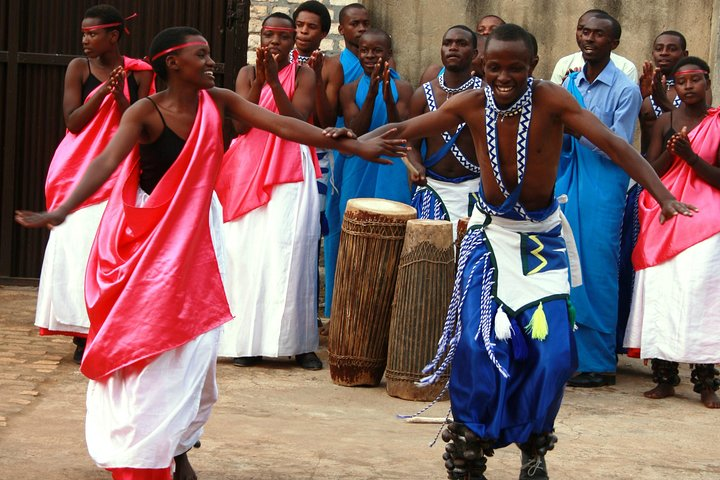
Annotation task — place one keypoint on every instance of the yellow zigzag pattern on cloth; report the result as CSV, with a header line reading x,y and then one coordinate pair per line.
x,y
536,254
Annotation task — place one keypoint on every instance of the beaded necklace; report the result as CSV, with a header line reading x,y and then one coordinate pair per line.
x,y
452,91
301,59
522,107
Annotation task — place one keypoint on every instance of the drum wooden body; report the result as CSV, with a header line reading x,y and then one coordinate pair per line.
x,y
422,295
462,227
370,243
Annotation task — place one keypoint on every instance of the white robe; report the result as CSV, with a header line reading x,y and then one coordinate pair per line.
x,y
142,417
675,312
61,294
271,281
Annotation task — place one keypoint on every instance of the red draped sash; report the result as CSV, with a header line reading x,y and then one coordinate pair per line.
x,y
152,281
257,160
659,243
77,150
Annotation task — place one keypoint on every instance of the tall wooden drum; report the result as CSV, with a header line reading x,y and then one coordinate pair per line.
x,y
370,244
422,296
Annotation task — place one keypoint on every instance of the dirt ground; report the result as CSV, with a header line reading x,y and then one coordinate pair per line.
x,y
276,421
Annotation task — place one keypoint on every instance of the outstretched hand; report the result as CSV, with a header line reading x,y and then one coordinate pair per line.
x,y
339,132
39,219
671,208
383,145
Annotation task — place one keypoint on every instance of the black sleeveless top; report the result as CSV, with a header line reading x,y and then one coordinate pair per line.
x,y
92,83
156,158
668,134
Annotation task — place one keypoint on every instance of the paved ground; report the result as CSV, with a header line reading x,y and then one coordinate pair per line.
x,y
279,422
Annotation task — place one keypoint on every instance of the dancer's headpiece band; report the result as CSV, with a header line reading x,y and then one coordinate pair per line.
x,y
110,25
177,47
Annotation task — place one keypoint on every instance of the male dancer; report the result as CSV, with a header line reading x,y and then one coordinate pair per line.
x,y
449,159
379,96
596,191
485,24
509,330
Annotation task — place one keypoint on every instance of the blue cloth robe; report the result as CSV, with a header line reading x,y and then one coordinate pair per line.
x,y
354,177
596,190
352,70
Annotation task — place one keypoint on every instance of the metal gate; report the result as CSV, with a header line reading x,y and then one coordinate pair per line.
x,y
37,40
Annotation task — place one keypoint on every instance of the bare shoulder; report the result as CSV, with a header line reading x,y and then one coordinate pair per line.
x,y
305,73
553,97
140,111
332,61
474,98
430,73
332,67
220,95
77,68
404,86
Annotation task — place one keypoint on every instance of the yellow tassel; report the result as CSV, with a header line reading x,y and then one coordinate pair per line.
x,y
538,327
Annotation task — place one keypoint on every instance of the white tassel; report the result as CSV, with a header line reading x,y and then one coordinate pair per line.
x,y
503,329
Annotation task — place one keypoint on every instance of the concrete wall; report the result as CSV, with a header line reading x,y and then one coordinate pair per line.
x,y
417,27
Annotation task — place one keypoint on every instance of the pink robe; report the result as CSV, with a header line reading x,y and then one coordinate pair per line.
x,y
153,282
77,150
658,243
258,160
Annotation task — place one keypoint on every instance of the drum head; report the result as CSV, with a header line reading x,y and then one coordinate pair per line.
x,y
381,206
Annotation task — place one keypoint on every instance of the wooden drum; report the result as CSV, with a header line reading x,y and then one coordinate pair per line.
x,y
422,296
370,244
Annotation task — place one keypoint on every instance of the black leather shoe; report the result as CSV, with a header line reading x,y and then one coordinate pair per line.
x,y
591,380
246,361
309,361
79,349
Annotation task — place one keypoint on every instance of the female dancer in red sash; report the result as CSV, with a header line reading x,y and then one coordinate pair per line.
x,y
675,308
153,288
98,89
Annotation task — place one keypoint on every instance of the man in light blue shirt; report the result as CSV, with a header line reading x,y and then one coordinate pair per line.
x,y
596,189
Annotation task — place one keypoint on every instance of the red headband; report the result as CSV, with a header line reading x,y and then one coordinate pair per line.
x,y
110,25
177,47
683,72
278,29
